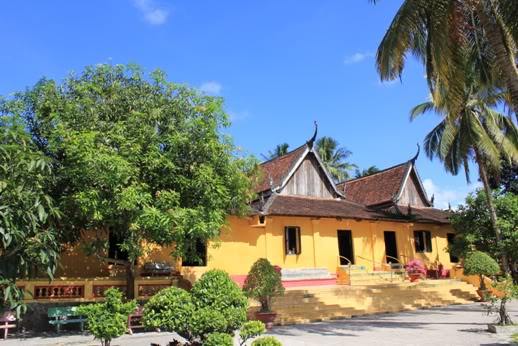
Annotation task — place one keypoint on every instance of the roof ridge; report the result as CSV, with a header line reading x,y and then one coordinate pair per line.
x,y
282,156
372,175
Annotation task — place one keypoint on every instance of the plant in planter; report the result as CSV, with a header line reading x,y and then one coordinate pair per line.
x,y
415,269
481,264
263,283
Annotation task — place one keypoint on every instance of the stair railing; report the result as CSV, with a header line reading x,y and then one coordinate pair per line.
x,y
381,265
349,264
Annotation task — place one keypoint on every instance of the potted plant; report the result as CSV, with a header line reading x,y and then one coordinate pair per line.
x,y
481,264
263,283
415,269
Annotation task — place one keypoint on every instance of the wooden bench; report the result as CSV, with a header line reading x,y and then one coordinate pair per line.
x,y
7,321
135,319
65,315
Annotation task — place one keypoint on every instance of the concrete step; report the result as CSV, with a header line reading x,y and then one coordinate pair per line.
x,y
305,274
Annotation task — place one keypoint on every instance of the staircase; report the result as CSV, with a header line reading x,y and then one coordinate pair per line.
x,y
358,275
310,304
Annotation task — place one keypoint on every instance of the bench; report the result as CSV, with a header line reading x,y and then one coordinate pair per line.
x,y
65,315
135,319
7,321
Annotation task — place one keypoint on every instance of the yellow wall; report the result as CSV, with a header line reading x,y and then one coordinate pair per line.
x,y
243,241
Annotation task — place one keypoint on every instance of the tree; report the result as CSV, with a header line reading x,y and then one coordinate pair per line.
x,y
28,236
507,179
136,157
280,150
474,231
333,158
473,132
447,34
366,172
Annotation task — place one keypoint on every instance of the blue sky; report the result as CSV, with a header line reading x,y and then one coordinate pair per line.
x,y
280,65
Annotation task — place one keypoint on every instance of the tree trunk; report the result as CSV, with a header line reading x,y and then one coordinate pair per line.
x,y
130,280
506,62
491,207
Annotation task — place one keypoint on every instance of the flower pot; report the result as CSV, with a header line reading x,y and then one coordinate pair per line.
x,y
267,318
414,277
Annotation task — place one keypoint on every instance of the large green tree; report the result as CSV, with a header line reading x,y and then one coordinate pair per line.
x,y
334,158
472,222
444,34
28,237
136,156
474,132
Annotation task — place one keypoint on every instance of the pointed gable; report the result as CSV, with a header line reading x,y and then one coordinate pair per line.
x,y
275,171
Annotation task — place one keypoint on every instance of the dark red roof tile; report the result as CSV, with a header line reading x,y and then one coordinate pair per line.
x,y
277,169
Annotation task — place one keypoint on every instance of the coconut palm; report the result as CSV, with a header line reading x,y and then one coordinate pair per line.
x,y
366,172
475,133
333,157
280,150
443,34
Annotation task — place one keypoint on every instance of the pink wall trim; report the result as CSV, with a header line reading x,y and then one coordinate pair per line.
x,y
240,280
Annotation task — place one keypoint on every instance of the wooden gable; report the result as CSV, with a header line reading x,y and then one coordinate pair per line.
x,y
412,192
309,180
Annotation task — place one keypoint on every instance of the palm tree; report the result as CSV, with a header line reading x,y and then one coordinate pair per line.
x,y
366,172
333,157
280,150
443,34
475,133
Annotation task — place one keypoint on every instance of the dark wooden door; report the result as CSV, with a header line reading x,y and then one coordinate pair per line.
x,y
390,246
345,247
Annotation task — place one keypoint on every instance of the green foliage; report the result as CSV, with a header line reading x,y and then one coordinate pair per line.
x,y
219,339
263,283
250,330
280,150
480,263
507,291
366,172
333,157
217,291
28,236
266,341
214,305
137,155
108,320
472,224
171,310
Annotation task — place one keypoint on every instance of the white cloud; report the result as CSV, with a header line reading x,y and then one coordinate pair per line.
x,y
236,116
357,57
389,83
212,87
153,14
448,196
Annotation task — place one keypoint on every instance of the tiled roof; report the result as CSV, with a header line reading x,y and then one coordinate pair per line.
x,y
319,207
378,188
277,169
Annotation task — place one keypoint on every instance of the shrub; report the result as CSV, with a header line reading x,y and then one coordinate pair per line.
x,y
262,283
507,291
251,330
219,339
481,264
416,266
215,290
266,341
170,310
108,320
205,321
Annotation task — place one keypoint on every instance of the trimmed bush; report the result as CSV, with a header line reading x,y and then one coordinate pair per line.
x,y
170,309
262,283
206,321
250,330
219,339
266,341
481,264
215,290
108,320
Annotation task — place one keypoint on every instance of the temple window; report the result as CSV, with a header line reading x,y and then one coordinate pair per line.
x,y
423,241
292,240
197,254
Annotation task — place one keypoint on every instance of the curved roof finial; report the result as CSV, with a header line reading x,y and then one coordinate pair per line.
x,y
312,140
413,160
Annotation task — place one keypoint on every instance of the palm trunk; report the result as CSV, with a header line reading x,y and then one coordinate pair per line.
x,y
506,62
491,207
